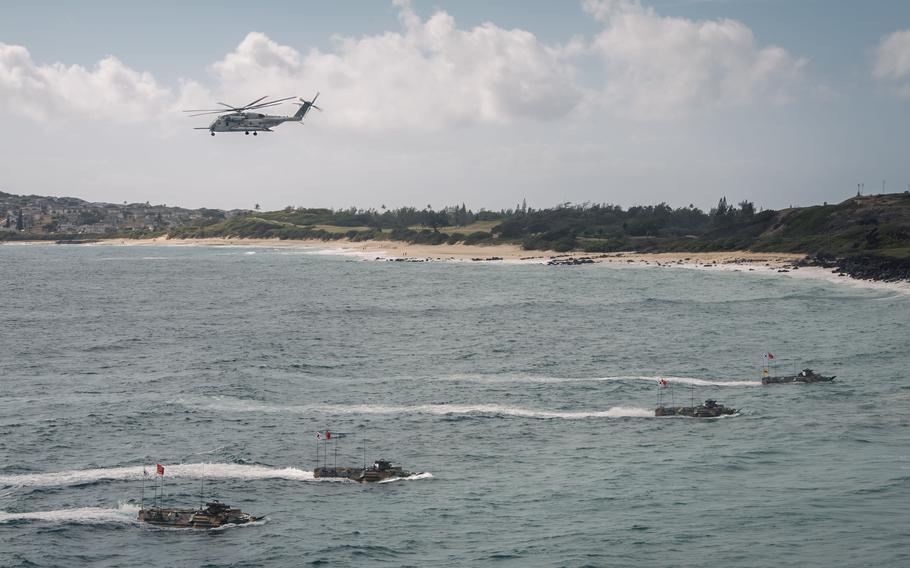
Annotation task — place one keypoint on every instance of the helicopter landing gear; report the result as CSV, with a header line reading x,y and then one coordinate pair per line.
x,y
254,134
247,132
213,133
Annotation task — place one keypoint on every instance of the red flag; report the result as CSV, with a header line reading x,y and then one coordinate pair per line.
x,y
770,356
328,435
664,382
159,469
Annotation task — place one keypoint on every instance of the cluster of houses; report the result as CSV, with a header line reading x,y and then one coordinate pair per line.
x,y
43,216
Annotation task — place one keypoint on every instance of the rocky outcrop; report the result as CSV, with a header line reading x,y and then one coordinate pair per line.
x,y
870,267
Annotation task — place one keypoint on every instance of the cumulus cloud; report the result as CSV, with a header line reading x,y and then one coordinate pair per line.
x,y
892,61
110,90
429,74
660,66
432,74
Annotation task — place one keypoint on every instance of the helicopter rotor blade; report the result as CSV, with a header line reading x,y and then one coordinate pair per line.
x,y
212,112
254,102
262,106
255,105
275,102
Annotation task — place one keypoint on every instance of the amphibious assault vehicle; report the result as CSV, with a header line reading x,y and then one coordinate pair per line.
x,y
710,409
804,376
215,514
379,471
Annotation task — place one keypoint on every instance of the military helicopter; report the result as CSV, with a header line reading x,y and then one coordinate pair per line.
x,y
240,119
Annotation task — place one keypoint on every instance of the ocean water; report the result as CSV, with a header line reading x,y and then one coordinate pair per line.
x,y
524,394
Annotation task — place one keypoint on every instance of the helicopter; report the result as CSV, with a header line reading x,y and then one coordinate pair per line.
x,y
242,119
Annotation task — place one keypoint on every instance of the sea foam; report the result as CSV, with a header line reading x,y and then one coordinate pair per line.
x,y
240,405
617,378
415,477
178,471
125,513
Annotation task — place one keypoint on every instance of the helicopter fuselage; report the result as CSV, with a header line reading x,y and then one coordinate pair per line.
x,y
249,122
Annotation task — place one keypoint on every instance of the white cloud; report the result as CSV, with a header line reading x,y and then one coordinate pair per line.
x,y
110,90
892,61
660,66
429,75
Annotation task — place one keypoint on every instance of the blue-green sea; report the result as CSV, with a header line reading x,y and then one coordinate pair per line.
x,y
524,393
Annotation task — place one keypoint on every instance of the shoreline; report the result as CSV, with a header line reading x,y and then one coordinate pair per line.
x,y
783,264
506,252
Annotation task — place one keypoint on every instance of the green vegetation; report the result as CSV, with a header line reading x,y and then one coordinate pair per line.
x,y
878,225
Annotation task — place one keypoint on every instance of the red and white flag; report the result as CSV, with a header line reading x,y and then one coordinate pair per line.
x,y
145,471
663,382
159,469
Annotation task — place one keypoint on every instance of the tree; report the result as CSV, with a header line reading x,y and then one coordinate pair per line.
x,y
722,208
747,208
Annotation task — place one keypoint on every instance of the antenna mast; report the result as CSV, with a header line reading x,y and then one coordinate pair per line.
x,y
202,487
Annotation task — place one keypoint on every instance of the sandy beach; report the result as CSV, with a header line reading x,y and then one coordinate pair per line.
x,y
758,263
506,252
382,249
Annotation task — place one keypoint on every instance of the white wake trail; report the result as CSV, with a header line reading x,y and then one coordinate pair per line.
x,y
688,381
178,471
237,405
618,378
125,513
415,477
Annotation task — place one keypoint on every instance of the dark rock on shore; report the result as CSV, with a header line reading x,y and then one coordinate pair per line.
x,y
822,259
862,266
570,261
870,267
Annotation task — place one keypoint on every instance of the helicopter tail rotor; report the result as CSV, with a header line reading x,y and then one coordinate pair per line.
x,y
305,107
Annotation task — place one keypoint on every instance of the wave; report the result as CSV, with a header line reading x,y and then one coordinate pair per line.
x,y
179,471
240,405
125,513
349,252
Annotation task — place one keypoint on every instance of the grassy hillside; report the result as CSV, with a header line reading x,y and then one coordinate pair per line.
x,y
876,225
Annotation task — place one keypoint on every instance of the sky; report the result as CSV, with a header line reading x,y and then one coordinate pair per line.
x,y
487,103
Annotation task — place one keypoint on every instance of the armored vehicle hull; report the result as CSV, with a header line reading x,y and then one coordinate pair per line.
x,y
710,409
381,470
335,472
214,515
804,376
